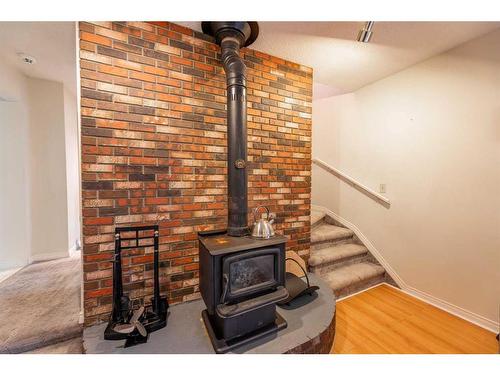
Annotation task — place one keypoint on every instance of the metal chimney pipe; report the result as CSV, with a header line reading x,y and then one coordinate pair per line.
x,y
231,36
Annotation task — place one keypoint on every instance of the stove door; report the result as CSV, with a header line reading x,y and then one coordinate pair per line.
x,y
250,273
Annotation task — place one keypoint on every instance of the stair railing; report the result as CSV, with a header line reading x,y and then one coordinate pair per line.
x,y
352,182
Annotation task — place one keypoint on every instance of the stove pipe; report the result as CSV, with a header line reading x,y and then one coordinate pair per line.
x,y
231,36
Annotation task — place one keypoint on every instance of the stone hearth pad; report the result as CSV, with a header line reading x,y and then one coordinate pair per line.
x,y
310,330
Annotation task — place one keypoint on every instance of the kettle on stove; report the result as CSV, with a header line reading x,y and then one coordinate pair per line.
x,y
262,228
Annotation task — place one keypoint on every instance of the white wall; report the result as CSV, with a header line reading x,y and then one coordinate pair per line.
x,y
14,173
431,133
49,205
39,169
72,167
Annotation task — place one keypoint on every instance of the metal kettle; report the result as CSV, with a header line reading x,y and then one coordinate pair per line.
x,y
262,228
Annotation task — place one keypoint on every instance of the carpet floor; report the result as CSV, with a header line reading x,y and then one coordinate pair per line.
x,y
73,346
40,305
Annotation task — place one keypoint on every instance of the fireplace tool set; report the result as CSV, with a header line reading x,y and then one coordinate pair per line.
x,y
125,323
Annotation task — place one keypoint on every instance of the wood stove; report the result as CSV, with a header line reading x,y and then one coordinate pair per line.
x,y
241,280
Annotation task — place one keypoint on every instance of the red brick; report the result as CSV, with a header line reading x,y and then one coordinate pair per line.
x,y
142,76
157,145
143,259
97,220
99,292
95,39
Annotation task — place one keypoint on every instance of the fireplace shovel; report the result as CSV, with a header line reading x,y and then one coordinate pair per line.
x,y
134,323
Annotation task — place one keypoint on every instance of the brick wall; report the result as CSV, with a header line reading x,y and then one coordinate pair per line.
x,y
154,150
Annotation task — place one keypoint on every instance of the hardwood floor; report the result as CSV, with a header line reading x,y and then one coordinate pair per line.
x,y
384,320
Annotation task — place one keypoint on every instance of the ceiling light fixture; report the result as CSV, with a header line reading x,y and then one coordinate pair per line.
x,y
27,59
365,34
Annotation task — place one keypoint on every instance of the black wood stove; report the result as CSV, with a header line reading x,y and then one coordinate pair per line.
x,y
241,277
241,280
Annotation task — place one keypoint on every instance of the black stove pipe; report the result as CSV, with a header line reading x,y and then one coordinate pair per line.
x,y
237,222
231,36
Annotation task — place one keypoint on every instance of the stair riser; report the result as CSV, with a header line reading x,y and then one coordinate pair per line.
x,y
329,243
332,221
390,281
359,286
317,224
325,268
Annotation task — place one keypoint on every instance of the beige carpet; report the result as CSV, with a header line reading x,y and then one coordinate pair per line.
x,y
73,346
40,305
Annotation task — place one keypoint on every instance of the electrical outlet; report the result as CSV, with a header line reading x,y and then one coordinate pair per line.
x,y
382,188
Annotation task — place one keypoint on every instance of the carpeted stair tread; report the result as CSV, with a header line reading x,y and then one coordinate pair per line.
x,y
40,305
328,232
336,253
316,217
352,274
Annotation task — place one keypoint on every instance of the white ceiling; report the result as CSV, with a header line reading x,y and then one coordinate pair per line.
x,y
343,65
53,44
340,63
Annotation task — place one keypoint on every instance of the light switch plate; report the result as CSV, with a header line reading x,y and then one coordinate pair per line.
x,y
382,188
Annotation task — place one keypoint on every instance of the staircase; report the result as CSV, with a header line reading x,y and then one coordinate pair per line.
x,y
341,259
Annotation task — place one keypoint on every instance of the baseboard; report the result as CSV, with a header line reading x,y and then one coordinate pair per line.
x,y
73,250
48,256
460,312
376,254
362,291
4,275
5,266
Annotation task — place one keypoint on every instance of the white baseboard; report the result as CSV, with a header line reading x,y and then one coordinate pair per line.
x,y
4,275
73,251
5,266
460,312
470,316
362,291
48,256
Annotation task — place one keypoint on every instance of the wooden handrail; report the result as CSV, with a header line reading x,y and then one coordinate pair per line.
x,y
351,181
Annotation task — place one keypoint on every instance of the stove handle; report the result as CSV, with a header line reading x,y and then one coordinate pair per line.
x,y
225,283
302,268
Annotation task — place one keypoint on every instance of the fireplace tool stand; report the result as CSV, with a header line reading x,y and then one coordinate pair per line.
x,y
125,323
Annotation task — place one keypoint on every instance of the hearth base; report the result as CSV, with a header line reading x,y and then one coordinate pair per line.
x,y
223,346
310,329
